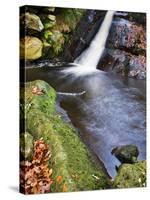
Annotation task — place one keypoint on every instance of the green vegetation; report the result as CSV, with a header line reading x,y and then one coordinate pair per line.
x,y
131,175
54,30
73,169
71,16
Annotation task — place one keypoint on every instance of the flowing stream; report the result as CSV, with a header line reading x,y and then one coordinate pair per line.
x,y
107,110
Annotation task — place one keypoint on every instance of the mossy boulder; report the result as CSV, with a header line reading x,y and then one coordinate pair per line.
x,y
33,21
30,48
72,164
39,95
126,153
52,27
26,145
131,175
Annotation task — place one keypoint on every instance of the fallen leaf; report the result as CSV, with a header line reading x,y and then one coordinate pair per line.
x,y
64,188
59,179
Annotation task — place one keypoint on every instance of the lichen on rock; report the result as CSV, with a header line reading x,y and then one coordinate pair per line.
x,y
33,21
30,48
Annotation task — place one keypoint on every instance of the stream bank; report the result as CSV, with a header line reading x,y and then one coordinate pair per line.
x,y
70,157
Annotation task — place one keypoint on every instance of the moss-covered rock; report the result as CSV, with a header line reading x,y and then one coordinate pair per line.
x,y
73,168
126,153
30,48
26,145
131,175
39,95
56,26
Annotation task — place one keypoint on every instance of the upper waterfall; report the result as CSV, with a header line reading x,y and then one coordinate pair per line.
x,y
90,57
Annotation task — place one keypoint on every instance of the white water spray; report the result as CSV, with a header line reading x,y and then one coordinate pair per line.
x,y
88,60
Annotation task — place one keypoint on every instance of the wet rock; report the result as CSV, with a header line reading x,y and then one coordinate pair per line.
x,y
118,60
30,48
126,153
26,145
131,175
139,18
32,21
128,36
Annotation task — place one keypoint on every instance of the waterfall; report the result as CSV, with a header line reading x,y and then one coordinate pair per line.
x,y
91,56
88,60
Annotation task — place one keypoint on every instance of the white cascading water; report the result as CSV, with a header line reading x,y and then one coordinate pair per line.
x,y
88,60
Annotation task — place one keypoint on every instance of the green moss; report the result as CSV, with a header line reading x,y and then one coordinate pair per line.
x,y
44,102
131,175
71,16
70,157
56,40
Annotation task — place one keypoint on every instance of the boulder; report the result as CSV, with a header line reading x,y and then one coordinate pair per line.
x,y
26,145
30,48
32,21
126,153
131,175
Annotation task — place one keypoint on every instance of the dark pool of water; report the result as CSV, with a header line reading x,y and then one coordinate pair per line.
x,y
112,112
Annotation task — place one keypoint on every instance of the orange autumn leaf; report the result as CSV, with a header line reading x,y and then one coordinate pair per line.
x,y
64,189
37,91
59,179
35,176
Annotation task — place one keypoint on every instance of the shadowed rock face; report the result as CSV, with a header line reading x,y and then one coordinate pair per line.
x,y
83,34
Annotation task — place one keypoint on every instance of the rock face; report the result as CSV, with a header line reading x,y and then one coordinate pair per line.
x,y
126,42
116,60
30,48
126,153
26,145
131,175
82,36
127,35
